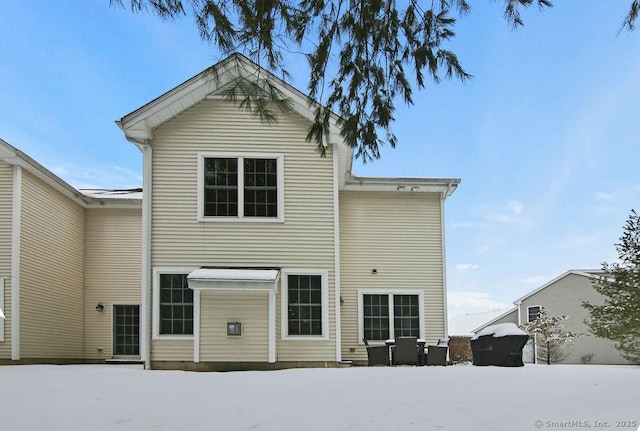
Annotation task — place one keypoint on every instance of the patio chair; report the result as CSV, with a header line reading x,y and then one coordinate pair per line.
x,y
377,355
405,352
437,355
439,352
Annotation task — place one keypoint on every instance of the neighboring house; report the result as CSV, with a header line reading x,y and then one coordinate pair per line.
x,y
563,296
61,252
463,325
247,249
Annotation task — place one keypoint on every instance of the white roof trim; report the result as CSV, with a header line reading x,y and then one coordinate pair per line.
x,y
139,124
446,186
582,272
233,279
15,157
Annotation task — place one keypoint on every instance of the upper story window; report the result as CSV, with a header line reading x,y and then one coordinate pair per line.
x,y
240,187
533,313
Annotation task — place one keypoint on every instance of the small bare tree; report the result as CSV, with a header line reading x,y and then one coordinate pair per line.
x,y
552,343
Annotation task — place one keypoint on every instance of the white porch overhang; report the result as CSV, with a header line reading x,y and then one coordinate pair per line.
x,y
226,279
233,279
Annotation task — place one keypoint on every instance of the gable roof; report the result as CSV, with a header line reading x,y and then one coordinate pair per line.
x,y
138,126
590,273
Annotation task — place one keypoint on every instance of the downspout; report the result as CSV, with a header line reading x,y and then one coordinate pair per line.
x,y
450,189
444,264
145,312
16,228
336,253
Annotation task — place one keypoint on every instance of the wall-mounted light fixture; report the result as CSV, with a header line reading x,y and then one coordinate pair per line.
x,y
400,188
341,301
100,307
374,271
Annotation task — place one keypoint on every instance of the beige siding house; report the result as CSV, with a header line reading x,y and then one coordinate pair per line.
x,y
57,245
563,296
244,249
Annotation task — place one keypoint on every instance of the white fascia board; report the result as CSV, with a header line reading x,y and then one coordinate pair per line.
x,y
15,157
139,125
113,203
445,186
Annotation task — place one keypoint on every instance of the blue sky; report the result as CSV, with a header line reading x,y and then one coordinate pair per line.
x,y
545,137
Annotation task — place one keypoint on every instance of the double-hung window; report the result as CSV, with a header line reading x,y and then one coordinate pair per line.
x,y
174,305
240,187
533,313
390,315
305,300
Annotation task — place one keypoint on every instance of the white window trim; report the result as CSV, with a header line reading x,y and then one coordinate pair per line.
x,y
362,292
279,157
113,321
533,306
156,304
285,304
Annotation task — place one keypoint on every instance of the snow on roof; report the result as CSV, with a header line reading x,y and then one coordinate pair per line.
x,y
113,194
249,275
464,324
500,330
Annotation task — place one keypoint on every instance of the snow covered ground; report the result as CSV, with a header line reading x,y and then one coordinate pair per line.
x,y
461,397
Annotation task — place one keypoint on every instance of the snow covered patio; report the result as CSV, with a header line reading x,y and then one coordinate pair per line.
x,y
461,397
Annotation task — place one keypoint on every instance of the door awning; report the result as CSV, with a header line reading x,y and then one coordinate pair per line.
x,y
233,279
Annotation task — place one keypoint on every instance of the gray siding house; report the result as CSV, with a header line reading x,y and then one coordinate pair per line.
x,y
244,249
563,296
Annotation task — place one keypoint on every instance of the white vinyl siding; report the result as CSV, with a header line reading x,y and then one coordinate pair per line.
x,y
113,273
304,240
6,206
399,235
218,308
51,273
